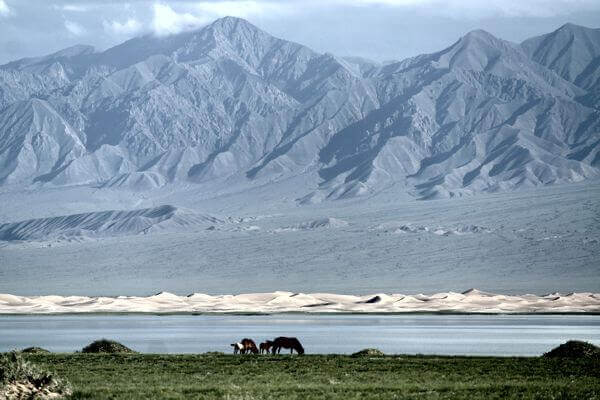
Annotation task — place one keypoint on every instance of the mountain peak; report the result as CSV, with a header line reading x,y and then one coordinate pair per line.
x,y
229,25
572,30
480,50
479,40
572,27
229,20
568,25
480,35
570,51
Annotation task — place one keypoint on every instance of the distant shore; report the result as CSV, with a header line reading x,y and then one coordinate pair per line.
x,y
469,302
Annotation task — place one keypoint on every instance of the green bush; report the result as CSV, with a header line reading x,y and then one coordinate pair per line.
x,y
16,371
34,350
575,349
369,352
106,346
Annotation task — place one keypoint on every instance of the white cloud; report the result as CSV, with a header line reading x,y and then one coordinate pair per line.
x,y
4,10
74,28
195,13
166,21
71,7
191,15
128,27
244,8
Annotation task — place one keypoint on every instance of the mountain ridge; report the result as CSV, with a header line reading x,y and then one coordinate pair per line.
x,y
229,101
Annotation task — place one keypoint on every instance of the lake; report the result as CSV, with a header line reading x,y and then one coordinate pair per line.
x,y
493,335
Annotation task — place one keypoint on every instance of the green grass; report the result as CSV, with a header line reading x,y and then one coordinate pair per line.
x,y
14,369
144,376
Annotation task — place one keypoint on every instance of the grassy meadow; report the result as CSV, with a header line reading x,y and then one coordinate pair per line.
x,y
219,376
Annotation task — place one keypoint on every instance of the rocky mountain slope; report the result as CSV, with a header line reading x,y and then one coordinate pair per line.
x,y
230,102
106,223
573,52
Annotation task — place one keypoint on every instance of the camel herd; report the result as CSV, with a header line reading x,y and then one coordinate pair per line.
x,y
268,346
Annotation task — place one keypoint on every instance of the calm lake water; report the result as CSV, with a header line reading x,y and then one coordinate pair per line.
x,y
523,335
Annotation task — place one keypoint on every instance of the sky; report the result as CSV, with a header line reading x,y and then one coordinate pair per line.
x,y
376,29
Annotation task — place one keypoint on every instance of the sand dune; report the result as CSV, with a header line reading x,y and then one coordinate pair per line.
x,y
471,301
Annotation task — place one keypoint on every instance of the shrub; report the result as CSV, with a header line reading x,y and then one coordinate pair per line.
x,y
369,352
106,346
575,349
34,350
20,379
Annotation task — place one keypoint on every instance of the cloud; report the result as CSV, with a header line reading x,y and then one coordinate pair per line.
x,y
4,10
192,15
71,7
166,21
245,8
74,28
129,27
483,9
166,18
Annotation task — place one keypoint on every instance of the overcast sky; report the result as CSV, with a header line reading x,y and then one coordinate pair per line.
x,y
376,29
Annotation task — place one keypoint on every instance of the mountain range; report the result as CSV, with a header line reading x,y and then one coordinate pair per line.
x,y
229,103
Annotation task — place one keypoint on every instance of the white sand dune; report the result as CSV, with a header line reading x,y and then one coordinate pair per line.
x,y
471,301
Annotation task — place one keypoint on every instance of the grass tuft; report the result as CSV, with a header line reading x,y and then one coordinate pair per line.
x,y
369,353
22,379
35,350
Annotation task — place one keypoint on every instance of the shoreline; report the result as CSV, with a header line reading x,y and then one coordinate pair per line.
x,y
299,313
